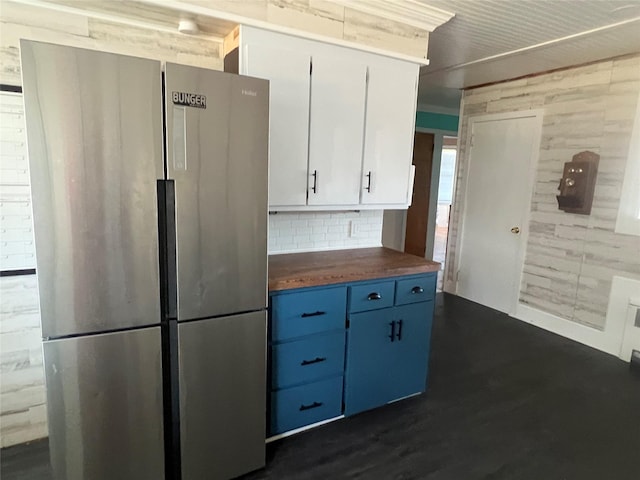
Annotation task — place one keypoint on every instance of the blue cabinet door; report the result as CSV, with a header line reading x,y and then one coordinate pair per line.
x,y
387,355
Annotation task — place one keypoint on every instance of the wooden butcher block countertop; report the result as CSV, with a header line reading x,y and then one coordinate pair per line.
x,y
309,269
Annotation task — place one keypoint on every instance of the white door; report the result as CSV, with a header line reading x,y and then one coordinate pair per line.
x,y
388,133
338,87
289,76
496,205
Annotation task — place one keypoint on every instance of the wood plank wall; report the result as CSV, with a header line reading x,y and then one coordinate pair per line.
x,y
570,259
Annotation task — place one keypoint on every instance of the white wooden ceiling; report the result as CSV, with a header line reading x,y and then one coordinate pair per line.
x,y
493,40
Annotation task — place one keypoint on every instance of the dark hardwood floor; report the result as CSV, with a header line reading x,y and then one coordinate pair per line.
x,y
506,401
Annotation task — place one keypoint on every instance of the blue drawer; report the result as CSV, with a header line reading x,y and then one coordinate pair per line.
x,y
371,296
418,289
303,313
307,360
299,406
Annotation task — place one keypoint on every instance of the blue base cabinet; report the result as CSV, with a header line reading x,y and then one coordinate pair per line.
x,y
344,349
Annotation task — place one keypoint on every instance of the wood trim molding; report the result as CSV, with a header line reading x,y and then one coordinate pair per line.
x,y
409,12
185,7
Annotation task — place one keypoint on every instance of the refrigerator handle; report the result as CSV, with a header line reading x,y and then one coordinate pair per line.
x,y
167,243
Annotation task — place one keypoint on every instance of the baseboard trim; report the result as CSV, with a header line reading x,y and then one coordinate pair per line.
x,y
301,429
605,341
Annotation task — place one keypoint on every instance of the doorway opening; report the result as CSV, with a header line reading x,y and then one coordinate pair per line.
x,y
445,199
415,239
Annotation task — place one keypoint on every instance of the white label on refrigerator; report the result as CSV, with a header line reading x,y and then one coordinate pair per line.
x,y
189,99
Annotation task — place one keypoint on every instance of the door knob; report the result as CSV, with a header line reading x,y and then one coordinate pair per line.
x,y
515,230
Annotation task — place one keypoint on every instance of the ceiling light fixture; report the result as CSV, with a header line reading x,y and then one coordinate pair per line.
x,y
188,26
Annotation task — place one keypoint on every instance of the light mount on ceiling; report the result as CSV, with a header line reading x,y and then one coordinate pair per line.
x,y
188,26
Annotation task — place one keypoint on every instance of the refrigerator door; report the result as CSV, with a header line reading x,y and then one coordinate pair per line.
x,y
94,128
222,395
104,400
217,153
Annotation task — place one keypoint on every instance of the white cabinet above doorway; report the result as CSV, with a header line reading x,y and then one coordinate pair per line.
x,y
341,121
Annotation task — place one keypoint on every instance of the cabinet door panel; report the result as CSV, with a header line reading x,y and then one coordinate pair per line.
x,y
368,375
335,131
289,83
388,138
380,370
413,335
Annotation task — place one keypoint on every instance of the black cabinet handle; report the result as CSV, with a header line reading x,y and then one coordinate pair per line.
x,y
393,330
309,407
399,336
314,314
315,360
417,290
315,181
374,296
368,187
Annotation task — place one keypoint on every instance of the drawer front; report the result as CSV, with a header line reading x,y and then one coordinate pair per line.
x,y
299,406
307,312
371,296
304,361
417,289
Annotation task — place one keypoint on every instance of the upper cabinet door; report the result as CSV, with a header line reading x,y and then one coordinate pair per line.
x,y
338,90
389,130
288,72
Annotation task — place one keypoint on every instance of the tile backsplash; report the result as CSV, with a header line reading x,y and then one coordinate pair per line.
x,y
312,231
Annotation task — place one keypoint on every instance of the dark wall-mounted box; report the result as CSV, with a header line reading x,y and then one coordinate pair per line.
x,y
578,183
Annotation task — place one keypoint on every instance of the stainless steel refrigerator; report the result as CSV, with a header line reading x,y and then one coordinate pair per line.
x,y
150,208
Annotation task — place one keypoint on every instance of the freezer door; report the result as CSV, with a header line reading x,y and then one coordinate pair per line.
x,y
222,395
104,403
217,153
94,128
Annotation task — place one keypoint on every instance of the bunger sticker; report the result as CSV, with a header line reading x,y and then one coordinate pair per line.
x,y
189,99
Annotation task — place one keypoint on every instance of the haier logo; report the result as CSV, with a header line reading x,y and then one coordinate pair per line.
x,y
189,99
251,93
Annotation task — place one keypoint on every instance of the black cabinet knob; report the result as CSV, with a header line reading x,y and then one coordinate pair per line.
x,y
374,296
417,289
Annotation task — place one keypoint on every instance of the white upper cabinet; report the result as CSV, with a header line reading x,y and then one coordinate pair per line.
x,y
341,121
289,74
389,131
338,91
